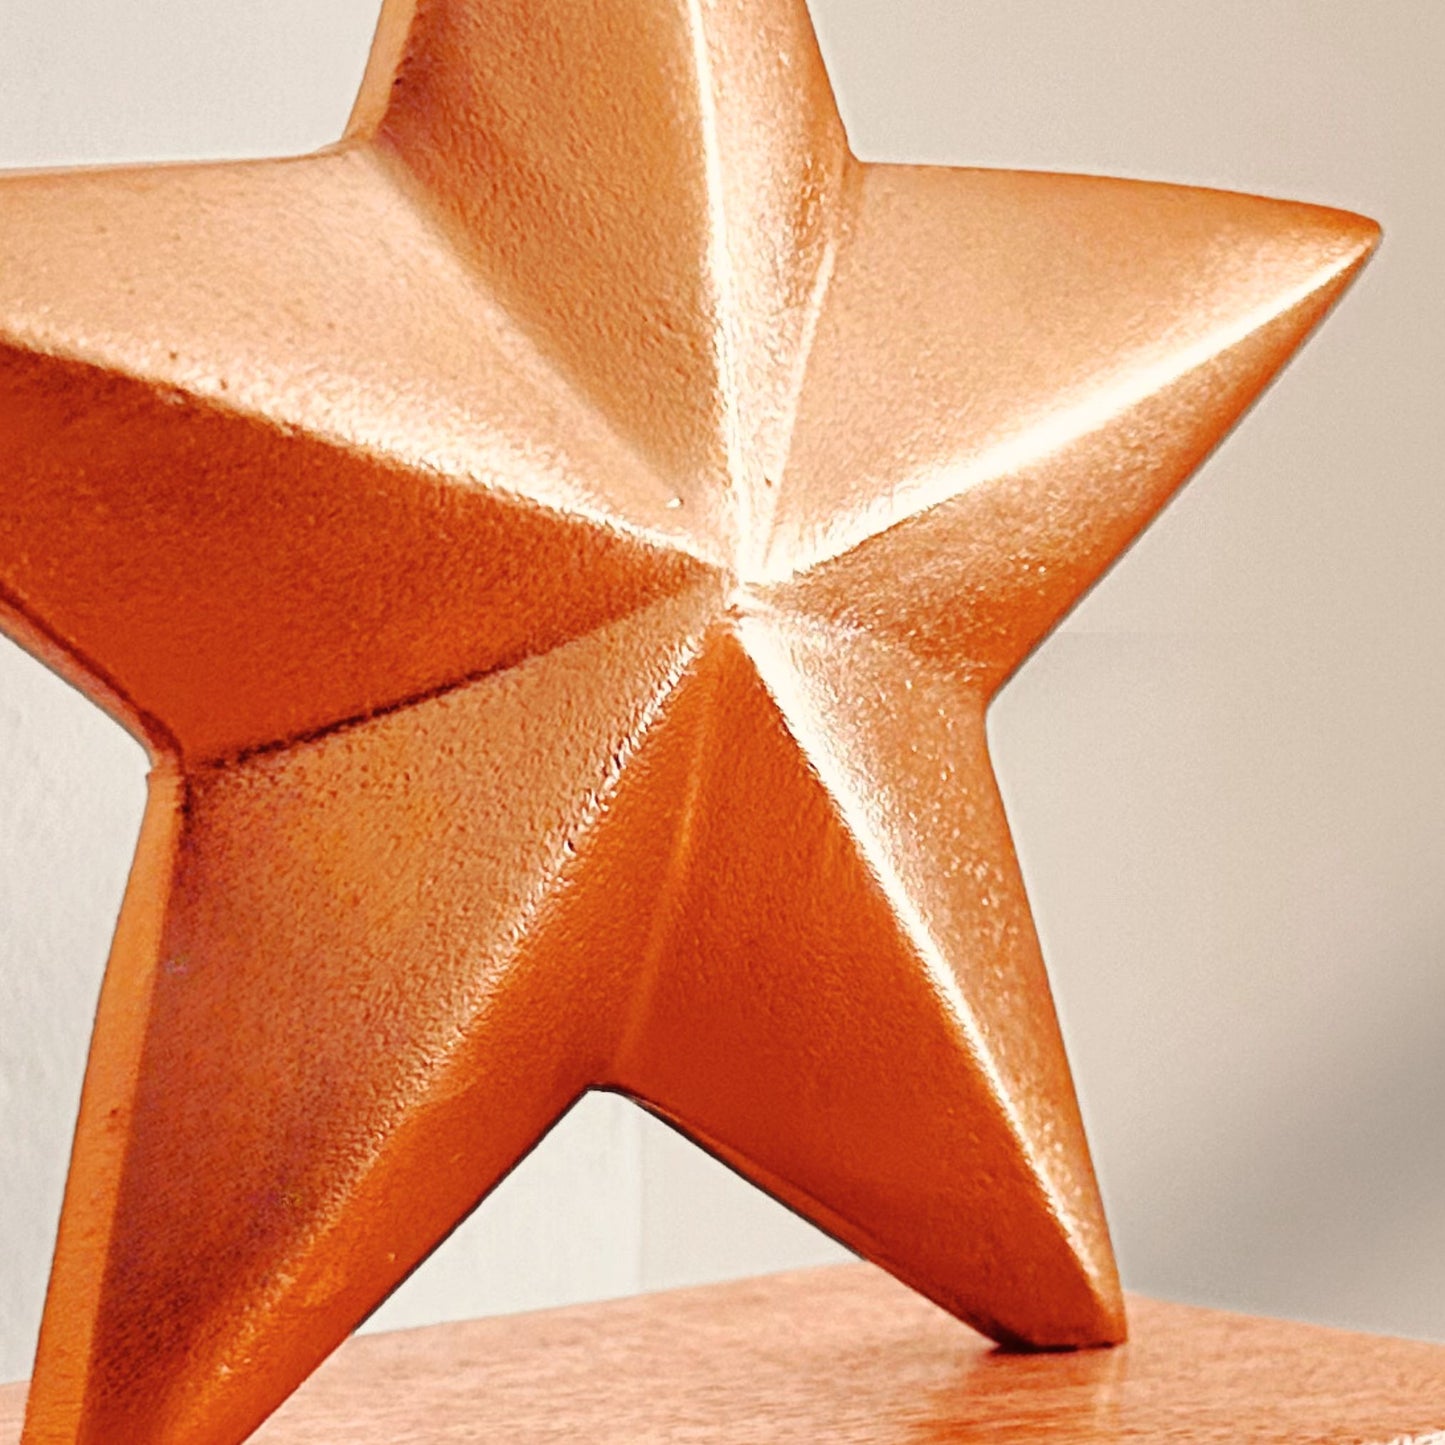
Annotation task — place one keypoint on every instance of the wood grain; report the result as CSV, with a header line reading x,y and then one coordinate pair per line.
x,y
847,1355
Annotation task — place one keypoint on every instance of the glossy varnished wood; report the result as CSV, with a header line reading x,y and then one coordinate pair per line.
x,y
847,1355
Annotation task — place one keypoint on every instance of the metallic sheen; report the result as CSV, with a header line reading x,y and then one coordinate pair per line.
x,y
559,545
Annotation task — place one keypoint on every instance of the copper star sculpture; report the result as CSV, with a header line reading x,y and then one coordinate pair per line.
x,y
558,546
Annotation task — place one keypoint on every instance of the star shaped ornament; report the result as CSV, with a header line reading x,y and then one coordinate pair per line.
x,y
558,546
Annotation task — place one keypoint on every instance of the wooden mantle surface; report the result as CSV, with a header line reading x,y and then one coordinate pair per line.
x,y
848,1357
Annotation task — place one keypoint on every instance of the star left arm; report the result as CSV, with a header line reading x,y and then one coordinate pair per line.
x,y
269,459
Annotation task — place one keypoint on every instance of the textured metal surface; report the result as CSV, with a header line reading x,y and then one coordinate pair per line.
x,y
559,546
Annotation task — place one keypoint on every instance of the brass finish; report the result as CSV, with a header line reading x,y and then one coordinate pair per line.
x,y
559,545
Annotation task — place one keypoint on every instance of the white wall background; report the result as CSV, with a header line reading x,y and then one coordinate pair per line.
x,y
1227,771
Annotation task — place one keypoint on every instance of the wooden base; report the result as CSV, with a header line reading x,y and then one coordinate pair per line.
x,y
846,1355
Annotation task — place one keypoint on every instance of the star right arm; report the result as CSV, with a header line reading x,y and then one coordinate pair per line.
x,y
1058,354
